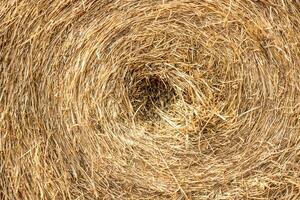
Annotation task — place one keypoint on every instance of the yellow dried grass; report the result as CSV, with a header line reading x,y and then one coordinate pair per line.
x,y
129,99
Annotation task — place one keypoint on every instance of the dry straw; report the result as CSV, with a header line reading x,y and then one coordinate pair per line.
x,y
146,99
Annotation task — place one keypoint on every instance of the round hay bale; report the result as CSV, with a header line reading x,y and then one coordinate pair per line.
x,y
181,99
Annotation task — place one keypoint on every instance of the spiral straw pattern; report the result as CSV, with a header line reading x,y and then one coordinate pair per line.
x,y
130,99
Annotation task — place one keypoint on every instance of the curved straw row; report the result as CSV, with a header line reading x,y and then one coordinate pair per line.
x,y
149,99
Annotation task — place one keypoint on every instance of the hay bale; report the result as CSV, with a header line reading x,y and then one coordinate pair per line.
x,y
149,99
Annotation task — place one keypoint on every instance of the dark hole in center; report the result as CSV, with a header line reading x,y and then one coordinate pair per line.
x,y
150,94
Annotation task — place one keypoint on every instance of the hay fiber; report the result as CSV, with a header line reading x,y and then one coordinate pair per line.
x,y
147,99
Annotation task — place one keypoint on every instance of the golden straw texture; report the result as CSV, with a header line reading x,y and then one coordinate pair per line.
x,y
147,99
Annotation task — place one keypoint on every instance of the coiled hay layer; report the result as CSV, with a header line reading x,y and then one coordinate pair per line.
x,y
149,99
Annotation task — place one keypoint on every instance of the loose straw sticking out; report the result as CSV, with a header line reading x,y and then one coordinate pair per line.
x,y
149,99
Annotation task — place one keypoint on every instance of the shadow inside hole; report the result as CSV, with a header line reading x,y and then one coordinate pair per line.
x,y
149,95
